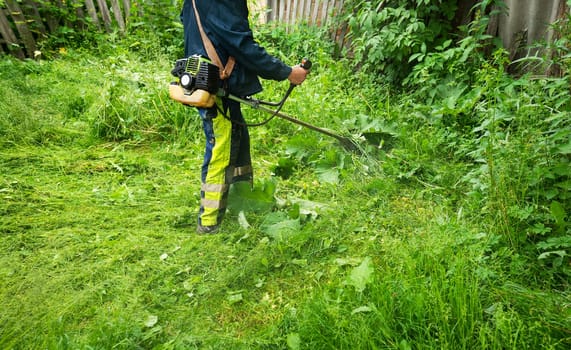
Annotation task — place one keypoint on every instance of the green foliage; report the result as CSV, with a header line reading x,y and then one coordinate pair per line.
x,y
243,197
521,148
552,57
156,28
388,35
152,27
72,29
446,72
450,231
291,46
506,140
400,302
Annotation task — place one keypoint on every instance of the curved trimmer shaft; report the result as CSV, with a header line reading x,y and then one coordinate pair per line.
x,y
346,142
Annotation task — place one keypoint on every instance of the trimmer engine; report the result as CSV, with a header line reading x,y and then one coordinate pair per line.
x,y
197,73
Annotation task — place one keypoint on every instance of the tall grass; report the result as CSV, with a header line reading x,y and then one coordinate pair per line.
x,y
427,292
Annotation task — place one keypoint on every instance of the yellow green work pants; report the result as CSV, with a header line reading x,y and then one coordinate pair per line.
x,y
226,158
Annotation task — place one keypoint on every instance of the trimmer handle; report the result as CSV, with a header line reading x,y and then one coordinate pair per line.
x,y
305,63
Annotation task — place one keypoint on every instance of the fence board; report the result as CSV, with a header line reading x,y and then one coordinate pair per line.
x,y
118,15
271,14
307,9
63,4
9,36
79,15
105,15
281,14
127,9
20,22
51,23
294,11
315,11
92,12
287,12
32,12
324,10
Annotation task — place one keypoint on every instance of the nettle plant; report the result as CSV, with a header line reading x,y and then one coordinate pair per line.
x,y
519,142
385,34
449,70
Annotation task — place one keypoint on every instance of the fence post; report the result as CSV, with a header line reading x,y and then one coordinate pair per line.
x,y
105,14
307,10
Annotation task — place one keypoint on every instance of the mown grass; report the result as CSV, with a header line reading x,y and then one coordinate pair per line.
x,y
99,188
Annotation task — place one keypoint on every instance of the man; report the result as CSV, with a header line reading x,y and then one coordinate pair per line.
x,y
227,154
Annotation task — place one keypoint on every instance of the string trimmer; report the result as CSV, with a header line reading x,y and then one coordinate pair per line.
x,y
191,73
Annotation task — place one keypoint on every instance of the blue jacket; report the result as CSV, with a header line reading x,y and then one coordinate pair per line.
x,y
226,24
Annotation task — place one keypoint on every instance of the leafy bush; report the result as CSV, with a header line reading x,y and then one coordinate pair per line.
x,y
387,34
447,71
504,141
292,45
72,30
509,139
156,28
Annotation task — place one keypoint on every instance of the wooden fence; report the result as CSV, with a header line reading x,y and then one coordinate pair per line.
x,y
316,12
312,12
24,22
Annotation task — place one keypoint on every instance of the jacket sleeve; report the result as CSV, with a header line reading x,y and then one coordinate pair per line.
x,y
229,24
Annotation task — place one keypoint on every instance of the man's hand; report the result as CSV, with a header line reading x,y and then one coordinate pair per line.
x,y
297,75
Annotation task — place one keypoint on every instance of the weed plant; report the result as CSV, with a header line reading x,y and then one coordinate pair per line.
x,y
450,232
